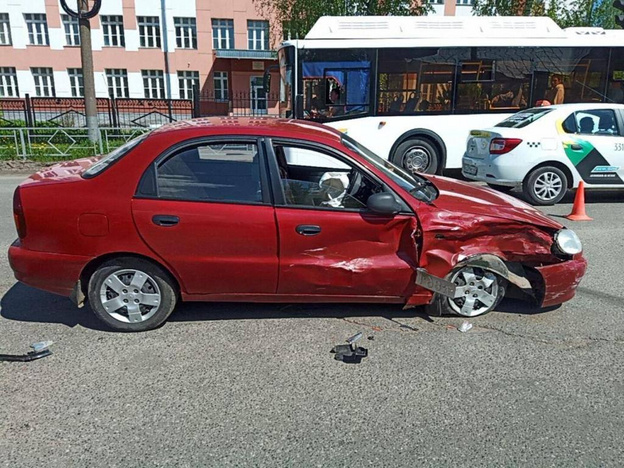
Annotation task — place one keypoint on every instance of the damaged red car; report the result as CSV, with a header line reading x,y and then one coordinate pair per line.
x,y
268,210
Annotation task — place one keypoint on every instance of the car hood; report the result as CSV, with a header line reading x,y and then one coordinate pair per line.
x,y
461,197
63,172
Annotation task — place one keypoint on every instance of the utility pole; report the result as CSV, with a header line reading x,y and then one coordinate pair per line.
x,y
86,56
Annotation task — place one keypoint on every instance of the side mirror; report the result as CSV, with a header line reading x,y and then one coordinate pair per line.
x,y
383,203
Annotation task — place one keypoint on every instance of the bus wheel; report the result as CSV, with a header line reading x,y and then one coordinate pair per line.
x,y
417,155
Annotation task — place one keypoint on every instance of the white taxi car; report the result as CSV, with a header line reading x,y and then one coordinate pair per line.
x,y
548,150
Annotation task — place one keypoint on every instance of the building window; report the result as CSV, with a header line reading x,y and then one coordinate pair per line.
x,y
44,81
8,82
37,28
76,82
222,34
117,79
465,2
113,29
436,2
221,86
153,84
72,30
149,31
186,33
187,80
5,29
258,35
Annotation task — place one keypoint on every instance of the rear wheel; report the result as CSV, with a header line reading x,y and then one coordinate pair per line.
x,y
545,185
131,295
417,155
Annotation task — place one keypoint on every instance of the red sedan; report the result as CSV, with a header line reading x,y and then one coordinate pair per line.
x,y
267,210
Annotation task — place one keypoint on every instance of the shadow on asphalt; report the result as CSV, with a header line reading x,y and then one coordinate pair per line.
x,y
25,304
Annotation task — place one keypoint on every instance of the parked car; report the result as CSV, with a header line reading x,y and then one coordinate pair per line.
x,y
548,150
261,210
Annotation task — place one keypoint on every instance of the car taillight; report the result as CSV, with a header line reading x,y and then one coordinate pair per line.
x,y
18,214
503,145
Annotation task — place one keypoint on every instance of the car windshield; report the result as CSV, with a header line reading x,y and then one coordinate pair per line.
x,y
112,157
419,187
524,118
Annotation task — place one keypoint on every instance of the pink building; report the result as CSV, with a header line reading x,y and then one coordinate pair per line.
x,y
141,49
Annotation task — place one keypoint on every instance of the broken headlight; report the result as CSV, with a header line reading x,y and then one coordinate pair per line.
x,y
567,242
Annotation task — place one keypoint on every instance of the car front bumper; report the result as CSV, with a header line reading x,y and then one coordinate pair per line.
x,y
52,272
561,280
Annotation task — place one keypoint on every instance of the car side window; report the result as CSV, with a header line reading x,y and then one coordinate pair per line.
x,y
228,171
316,179
592,122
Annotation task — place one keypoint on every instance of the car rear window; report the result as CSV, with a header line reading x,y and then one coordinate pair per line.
x,y
111,158
524,118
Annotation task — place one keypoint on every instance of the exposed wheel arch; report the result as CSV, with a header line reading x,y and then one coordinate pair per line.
x,y
559,165
426,134
94,264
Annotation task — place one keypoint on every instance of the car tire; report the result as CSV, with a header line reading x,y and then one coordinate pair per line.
x,y
417,155
545,185
500,188
123,307
481,285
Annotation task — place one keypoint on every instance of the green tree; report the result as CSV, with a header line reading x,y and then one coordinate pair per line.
x,y
573,13
296,17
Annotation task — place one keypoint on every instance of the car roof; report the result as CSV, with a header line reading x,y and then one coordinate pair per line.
x,y
269,126
586,106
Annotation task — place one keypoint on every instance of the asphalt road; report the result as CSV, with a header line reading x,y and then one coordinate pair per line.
x,y
255,385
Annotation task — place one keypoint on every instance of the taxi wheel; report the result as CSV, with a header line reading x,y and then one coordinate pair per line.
x,y
131,295
545,185
500,188
417,155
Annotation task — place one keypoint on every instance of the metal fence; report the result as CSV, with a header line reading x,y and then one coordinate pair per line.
x,y
60,143
131,113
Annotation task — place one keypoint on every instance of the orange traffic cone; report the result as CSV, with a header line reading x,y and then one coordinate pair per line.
x,y
578,209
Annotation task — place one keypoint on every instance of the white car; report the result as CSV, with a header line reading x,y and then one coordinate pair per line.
x,y
548,150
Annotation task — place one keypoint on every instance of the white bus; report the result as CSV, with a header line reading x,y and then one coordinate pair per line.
x,y
411,88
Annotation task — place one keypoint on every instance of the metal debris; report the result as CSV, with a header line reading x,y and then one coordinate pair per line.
x,y
350,353
465,327
40,350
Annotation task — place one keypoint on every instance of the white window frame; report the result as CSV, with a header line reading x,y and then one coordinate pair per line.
x,y
5,29
149,31
465,2
37,25
257,35
186,32
8,82
186,80
71,26
222,33
76,81
113,30
44,81
117,82
221,90
153,84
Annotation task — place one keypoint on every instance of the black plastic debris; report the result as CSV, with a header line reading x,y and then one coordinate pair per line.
x,y
40,350
350,353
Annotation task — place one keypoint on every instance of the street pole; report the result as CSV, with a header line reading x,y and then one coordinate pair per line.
x,y
86,56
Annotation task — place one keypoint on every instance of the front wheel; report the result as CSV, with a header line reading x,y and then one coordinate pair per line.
x,y
131,295
417,155
481,291
545,186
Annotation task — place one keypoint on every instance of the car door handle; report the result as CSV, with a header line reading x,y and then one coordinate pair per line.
x,y
576,147
165,220
308,229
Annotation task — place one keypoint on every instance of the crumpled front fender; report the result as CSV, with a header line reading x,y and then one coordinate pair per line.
x,y
497,265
